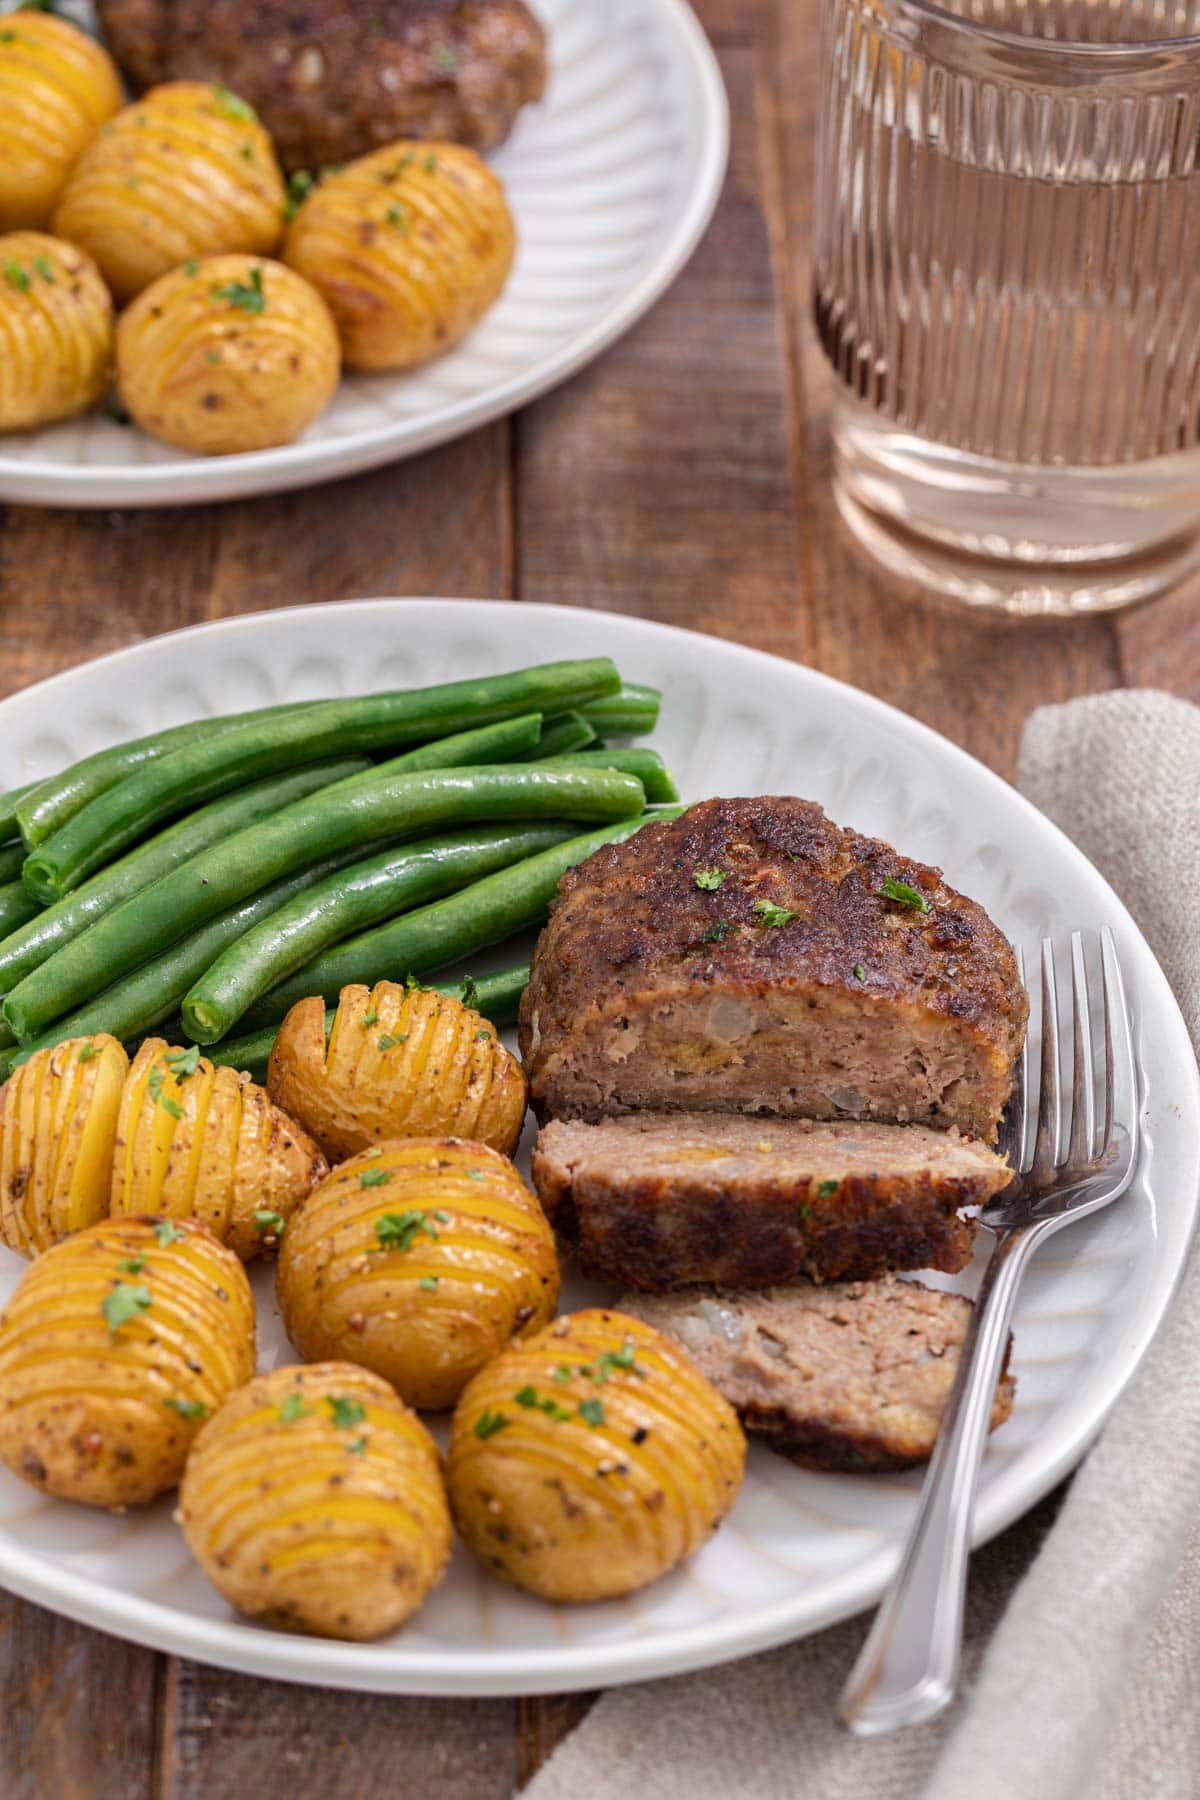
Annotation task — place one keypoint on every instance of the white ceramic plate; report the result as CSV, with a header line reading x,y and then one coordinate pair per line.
x,y
800,1549
612,178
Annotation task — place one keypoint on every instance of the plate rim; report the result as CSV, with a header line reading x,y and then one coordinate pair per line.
x,y
291,467
247,1648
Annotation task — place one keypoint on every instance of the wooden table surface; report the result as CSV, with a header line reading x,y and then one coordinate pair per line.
x,y
684,477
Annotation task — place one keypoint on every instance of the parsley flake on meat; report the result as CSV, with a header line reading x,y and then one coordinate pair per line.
x,y
903,895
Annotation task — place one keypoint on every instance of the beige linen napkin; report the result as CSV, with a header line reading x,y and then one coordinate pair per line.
x,y
1088,1682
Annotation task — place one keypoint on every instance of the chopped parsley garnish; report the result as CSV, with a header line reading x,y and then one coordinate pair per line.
x,y
412,985
609,1361
474,1174
168,1232
370,1018
431,162
396,1231
358,1446
445,58
188,1409
805,1213
375,1150
395,216
89,1050
592,1411
247,295
295,1407
563,1372
369,1178
191,266
443,1218
300,186
126,1301
531,1399
482,1034
469,989
231,104
346,1412
183,1063
388,1042
827,1188
717,931
132,1265
213,356
903,895
709,880
246,152
428,1283
42,265
155,1085
117,413
860,974
490,1422
773,915
269,1223
16,275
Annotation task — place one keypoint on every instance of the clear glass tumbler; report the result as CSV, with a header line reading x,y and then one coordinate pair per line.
x,y
1007,284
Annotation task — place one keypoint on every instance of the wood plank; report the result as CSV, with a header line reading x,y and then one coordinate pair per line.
x,y
78,1710
1160,643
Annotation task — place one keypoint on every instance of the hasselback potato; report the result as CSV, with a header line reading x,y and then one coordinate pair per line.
x,y
186,170
420,1259
400,1062
227,353
57,88
314,1500
56,330
410,246
591,1459
114,1347
198,1141
58,1123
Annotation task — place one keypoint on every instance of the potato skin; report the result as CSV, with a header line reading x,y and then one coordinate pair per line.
x,y
186,170
335,1528
58,1121
578,1509
57,88
204,373
94,1414
426,1066
56,330
410,246
470,1265
229,1154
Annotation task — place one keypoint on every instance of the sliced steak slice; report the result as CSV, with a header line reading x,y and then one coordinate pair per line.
x,y
658,1200
751,956
854,1376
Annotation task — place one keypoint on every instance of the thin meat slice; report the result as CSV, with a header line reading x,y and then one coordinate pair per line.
x,y
660,1200
853,1377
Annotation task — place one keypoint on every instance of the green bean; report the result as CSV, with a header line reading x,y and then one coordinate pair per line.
x,y
497,997
39,809
11,858
567,734
366,810
24,950
17,905
199,771
486,913
8,810
646,764
344,905
631,712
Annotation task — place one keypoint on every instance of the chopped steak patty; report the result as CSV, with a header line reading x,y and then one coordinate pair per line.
x,y
751,956
333,79
854,1376
658,1200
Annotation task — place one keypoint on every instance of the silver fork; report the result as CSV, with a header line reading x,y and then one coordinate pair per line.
x,y
908,1668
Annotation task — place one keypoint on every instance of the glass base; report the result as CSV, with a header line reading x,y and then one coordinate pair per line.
x,y
1049,542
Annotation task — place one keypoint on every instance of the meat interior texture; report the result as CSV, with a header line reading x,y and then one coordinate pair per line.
x,y
657,1200
813,972
333,79
852,1376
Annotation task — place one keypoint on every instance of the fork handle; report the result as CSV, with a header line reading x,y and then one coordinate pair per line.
x,y
908,1668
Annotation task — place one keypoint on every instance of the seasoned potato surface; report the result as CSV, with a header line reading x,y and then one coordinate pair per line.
x,y
57,88
56,330
58,1123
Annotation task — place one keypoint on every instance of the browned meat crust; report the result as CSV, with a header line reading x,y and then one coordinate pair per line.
x,y
333,79
853,1377
649,990
661,1200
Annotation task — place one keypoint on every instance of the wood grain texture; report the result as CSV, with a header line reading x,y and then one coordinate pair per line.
x,y
684,477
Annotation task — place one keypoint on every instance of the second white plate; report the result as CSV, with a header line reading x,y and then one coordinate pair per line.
x,y
612,179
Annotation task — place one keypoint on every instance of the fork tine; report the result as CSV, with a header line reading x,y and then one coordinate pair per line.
x,y
1120,1087
1083,1081
1049,1126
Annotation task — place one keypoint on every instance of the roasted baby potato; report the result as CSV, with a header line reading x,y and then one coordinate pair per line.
x,y
410,246
56,331
314,1500
227,354
591,1459
194,1141
400,1062
114,1346
186,170
420,1259
57,88
58,1122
